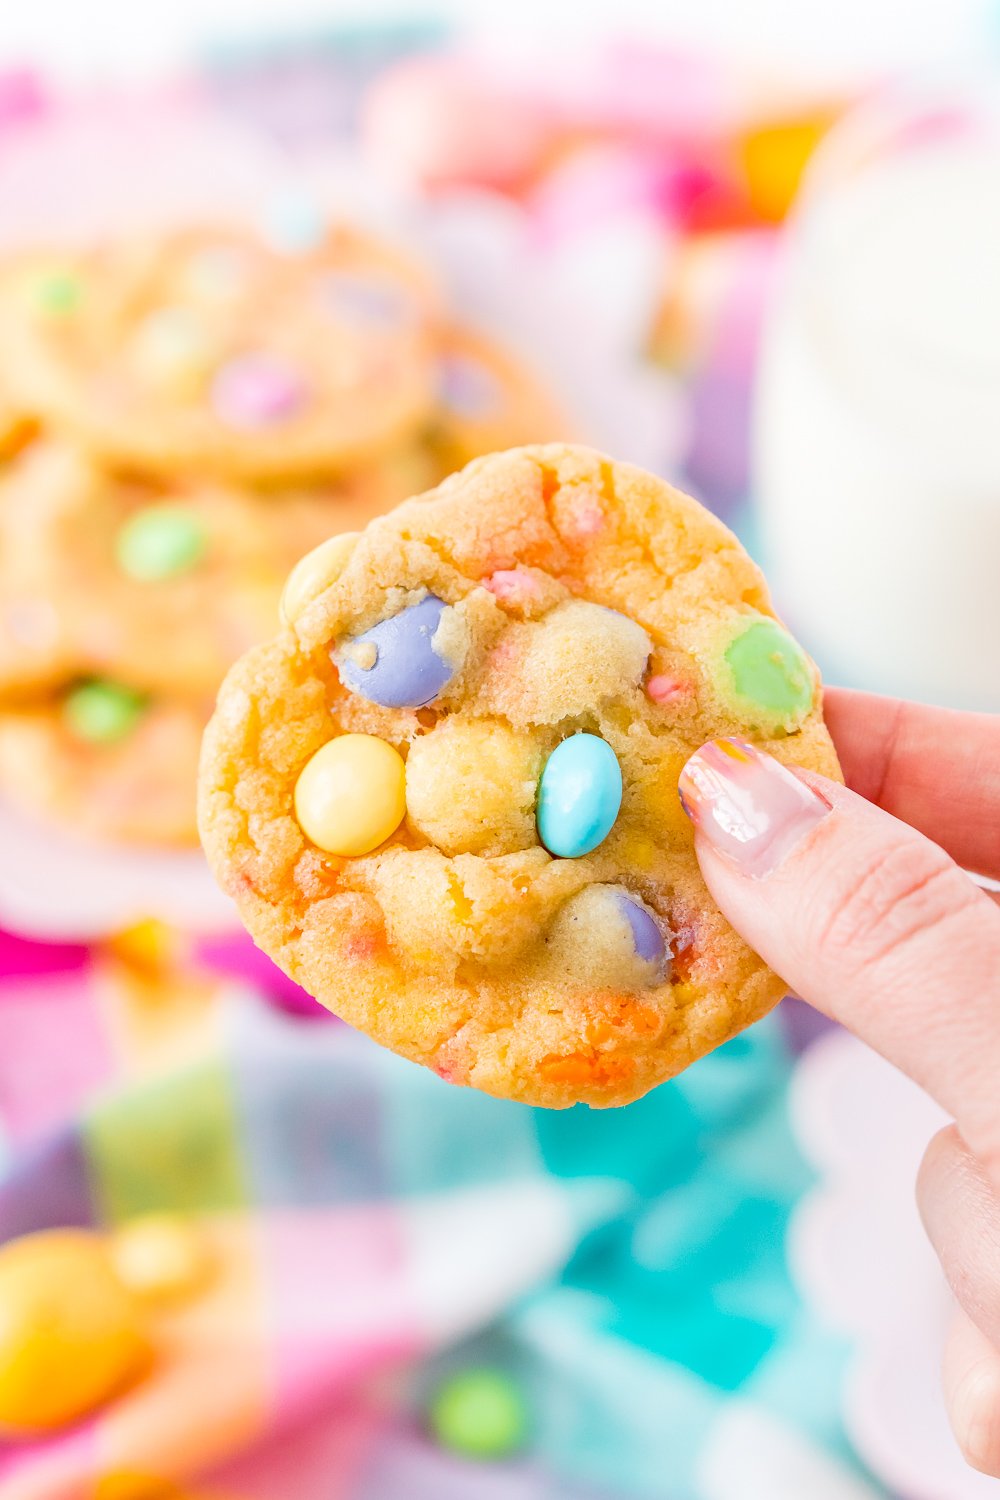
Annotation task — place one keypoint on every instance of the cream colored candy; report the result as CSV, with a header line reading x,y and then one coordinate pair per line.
x,y
315,572
172,351
592,937
351,795
471,787
161,1258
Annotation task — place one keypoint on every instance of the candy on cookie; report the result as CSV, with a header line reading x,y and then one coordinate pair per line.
x,y
159,583
215,352
445,797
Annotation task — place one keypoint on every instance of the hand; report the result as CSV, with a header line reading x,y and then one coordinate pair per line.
x,y
859,900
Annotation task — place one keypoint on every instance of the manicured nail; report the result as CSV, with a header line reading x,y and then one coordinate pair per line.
x,y
747,805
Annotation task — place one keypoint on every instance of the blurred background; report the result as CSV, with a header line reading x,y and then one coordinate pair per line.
x,y
244,1254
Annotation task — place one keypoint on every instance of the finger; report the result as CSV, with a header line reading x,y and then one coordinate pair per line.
x,y
961,1213
863,917
972,1394
936,769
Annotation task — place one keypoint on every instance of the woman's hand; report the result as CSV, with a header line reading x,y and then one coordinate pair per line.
x,y
859,900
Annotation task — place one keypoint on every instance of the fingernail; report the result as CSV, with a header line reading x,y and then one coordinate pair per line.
x,y
747,805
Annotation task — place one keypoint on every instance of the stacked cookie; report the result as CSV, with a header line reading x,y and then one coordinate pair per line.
x,y
180,420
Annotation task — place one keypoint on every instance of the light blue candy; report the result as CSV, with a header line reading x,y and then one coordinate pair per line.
x,y
579,796
295,223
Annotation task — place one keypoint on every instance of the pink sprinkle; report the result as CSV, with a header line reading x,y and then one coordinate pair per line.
x,y
511,584
362,945
257,390
665,689
588,520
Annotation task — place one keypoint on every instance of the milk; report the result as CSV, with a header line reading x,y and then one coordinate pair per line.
x,y
877,439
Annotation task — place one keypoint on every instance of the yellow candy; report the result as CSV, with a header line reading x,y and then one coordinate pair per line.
x,y
70,1334
147,944
161,1258
173,351
774,159
352,795
314,573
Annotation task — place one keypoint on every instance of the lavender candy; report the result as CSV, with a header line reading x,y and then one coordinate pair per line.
x,y
647,938
394,663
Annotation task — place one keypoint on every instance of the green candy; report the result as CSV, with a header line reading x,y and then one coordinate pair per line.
x,y
479,1413
102,712
771,671
159,542
56,293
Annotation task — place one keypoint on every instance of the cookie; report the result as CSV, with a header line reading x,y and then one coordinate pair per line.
x,y
213,352
14,425
160,584
445,797
487,400
101,759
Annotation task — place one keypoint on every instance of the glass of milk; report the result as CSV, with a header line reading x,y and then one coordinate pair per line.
x,y
877,433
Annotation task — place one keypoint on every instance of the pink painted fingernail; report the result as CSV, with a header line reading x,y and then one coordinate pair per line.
x,y
747,805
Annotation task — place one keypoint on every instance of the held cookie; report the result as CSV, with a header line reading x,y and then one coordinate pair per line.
x,y
445,797
211,351
162,585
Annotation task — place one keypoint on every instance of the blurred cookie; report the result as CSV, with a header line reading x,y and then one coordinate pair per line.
x,y
211,351
445,797
487,400
160,584
14,425
102,759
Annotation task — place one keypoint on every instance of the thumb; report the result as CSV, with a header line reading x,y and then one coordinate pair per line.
x,y
863,917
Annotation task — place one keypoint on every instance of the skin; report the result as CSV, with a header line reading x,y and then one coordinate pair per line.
x,y
871,918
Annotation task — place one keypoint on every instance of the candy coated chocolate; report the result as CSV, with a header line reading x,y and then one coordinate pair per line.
x,y
647,938
579,796
405,671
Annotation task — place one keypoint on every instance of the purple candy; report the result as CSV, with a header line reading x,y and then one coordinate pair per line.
x,y
257,390
468,388
407,672
647,938
368,301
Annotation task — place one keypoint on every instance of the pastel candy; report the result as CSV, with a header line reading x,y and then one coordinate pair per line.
x,y
647,939
160,541
257,390
315,572
405,670
579,796
480,1413
468,388
71,1335
351,795
101,713
173,351
604,935
56,292
161,1258
770,670
294,223
367,301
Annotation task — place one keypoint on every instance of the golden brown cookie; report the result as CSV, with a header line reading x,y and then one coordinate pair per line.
x,y
101,759
487,400
445,797
156,583
207,350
